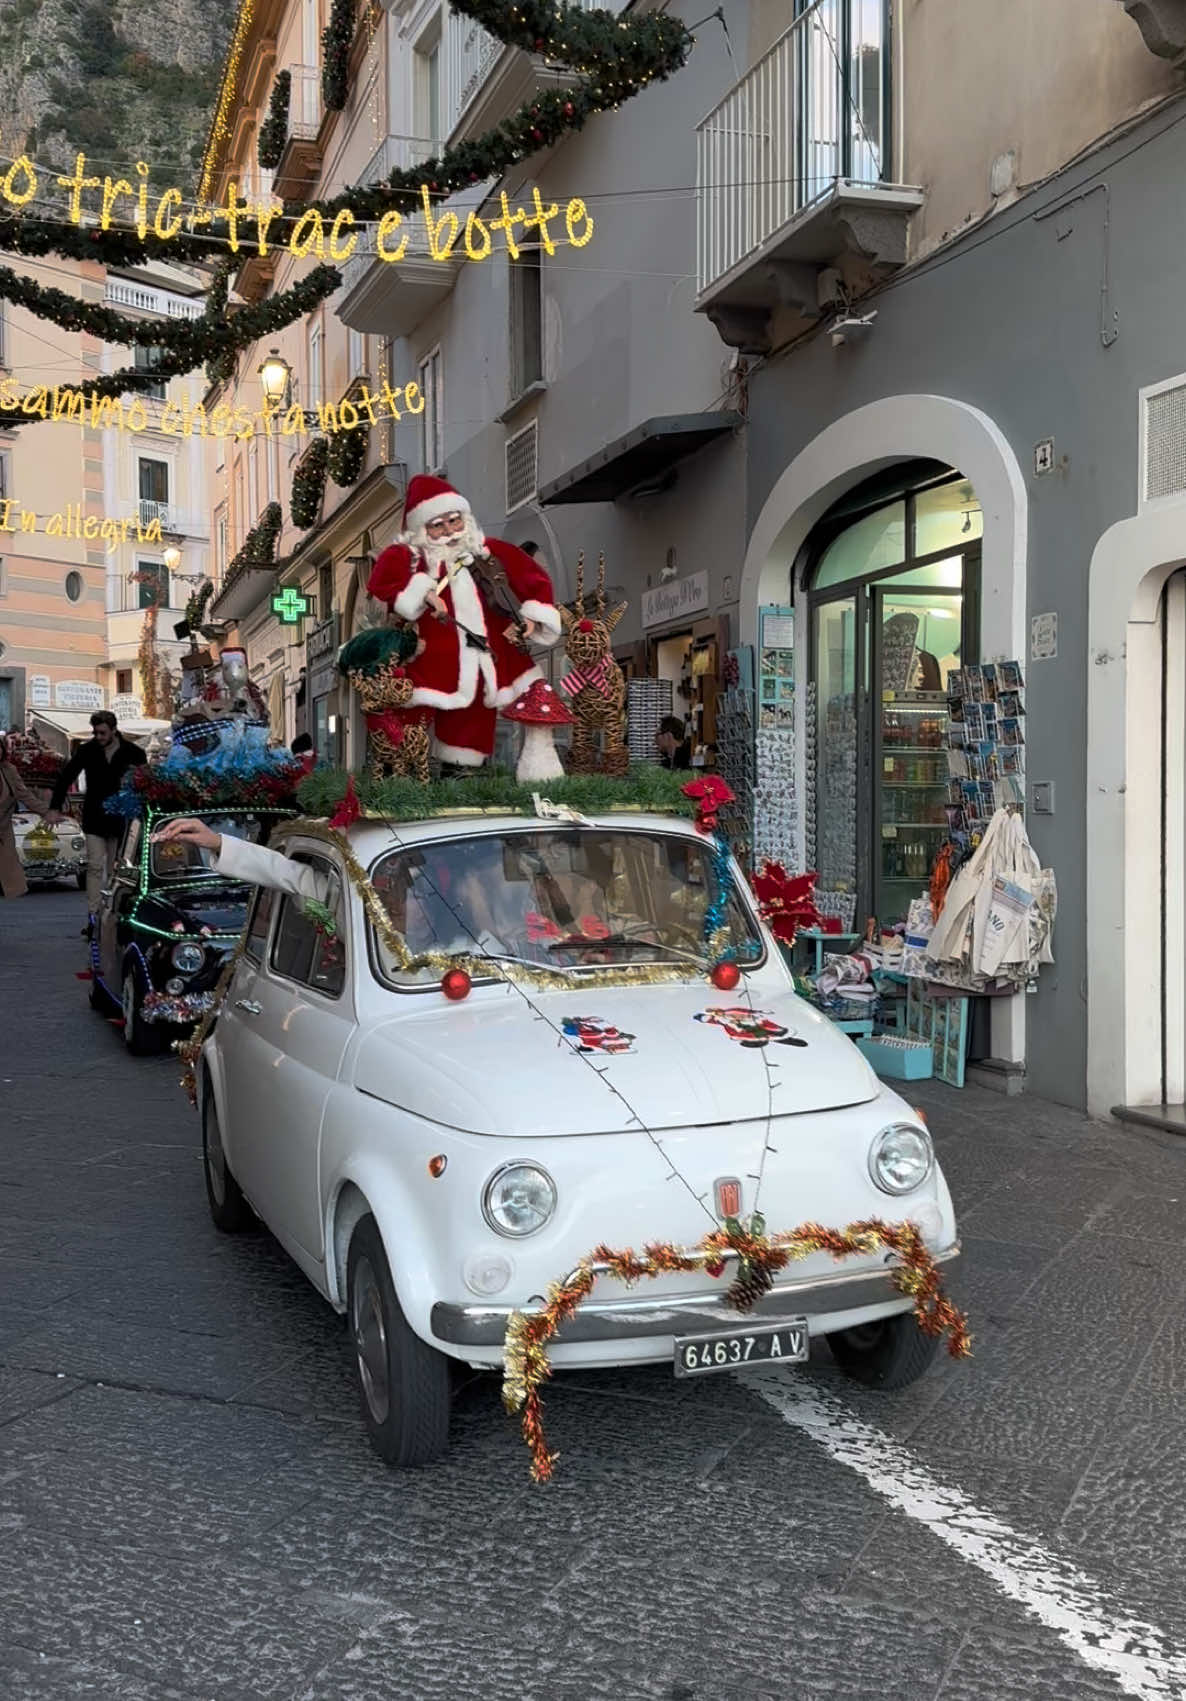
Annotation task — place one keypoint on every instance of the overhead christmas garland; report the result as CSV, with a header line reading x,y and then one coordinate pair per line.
x,y
273,132
259,546
612,60
758,1257
308,485
197,605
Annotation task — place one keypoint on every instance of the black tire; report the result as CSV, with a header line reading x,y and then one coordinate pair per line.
x,y
891,1353
229,1210
98,998
140,1037
403,1384
81,878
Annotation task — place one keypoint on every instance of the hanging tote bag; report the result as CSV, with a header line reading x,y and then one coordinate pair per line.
x,y
952,939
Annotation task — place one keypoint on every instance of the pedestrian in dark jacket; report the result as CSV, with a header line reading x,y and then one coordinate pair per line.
x,y
103,760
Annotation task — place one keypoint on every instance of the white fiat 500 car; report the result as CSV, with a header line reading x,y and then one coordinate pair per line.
x,y
49,854
433,1163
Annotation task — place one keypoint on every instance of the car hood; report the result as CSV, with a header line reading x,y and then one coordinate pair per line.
x,y
671,1056
222,907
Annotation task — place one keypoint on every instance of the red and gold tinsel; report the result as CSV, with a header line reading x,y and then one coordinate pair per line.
x,y
758,1256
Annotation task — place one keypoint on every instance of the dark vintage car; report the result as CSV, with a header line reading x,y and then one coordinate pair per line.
x,y
166,926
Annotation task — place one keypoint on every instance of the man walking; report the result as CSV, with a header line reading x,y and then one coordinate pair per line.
x,y
103,761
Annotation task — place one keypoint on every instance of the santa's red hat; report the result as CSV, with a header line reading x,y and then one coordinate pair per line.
x,y
428,498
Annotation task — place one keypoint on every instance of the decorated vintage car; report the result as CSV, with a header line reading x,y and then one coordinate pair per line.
x,y
494,1053
166,925
50,854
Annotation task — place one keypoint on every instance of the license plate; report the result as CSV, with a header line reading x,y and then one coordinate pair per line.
x,y
700,1355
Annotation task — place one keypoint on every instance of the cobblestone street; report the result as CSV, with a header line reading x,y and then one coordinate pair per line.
x,y
191,1511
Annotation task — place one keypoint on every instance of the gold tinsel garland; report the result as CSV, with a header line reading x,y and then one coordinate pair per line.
x,y
758,1255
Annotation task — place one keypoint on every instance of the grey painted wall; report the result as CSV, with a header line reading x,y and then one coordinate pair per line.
x,y
1009,321
622,344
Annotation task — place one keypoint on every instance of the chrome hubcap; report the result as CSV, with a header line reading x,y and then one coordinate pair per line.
x,y
370,1339
215,1159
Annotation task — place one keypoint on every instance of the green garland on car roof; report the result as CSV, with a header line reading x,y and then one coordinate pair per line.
x,y
646,789
611,59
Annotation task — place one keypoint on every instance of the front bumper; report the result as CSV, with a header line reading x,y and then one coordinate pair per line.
x,y
46,868
680,1314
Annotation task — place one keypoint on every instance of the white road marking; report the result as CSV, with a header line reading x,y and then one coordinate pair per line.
x,y
1136,1655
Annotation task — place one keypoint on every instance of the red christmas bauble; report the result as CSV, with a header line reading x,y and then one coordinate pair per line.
x,y
725,976
456,984
714,1267
569,109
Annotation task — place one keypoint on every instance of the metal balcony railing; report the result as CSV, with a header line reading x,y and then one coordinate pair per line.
x,y
812,111
120,293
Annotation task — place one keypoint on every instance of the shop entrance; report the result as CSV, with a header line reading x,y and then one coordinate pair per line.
x,y
893,575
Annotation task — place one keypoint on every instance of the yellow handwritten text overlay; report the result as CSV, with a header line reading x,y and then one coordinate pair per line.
x,y
70,522
69,406
446,237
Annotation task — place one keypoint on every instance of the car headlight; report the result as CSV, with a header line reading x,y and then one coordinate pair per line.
x,y
77,844
518,1199
188,958
900,1158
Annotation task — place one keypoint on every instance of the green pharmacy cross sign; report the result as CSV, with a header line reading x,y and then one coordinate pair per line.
x,y
290,606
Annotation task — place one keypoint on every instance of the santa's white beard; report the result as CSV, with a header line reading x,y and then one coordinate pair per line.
x,y
447,552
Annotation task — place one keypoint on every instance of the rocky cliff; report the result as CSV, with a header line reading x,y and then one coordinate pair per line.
x,y
120,80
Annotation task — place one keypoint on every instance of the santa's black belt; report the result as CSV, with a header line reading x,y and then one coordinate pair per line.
x,y
474,642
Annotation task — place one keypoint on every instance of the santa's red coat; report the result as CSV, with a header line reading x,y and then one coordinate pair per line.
x,y
448,673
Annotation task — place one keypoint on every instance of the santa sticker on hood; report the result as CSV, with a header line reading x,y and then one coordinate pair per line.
x,y
752,1029
590,1033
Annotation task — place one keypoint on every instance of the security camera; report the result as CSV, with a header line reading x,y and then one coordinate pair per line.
x,y
852,329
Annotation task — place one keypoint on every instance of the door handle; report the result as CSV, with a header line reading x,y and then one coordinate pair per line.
x,y
249,1006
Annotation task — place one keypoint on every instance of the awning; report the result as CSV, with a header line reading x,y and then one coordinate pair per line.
x,y
73,724
645,453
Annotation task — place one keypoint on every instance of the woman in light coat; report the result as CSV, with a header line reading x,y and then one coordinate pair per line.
x,y
15,797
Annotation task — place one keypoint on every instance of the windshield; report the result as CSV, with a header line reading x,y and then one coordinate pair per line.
x,y
174,859
583,898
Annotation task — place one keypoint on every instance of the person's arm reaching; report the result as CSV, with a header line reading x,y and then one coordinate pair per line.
x,y
255,864
62,785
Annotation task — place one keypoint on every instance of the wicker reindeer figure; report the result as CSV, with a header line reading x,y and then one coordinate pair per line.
x,y
595,686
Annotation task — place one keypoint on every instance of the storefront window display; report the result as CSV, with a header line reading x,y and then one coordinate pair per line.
x,y
892,612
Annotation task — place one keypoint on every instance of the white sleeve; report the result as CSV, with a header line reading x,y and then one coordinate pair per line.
x,y
262,867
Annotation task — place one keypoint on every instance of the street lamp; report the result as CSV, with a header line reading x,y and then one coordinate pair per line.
x,y
171,557
275,376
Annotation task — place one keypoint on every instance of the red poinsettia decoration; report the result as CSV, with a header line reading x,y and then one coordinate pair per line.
x,y
710,795
348,810
785,900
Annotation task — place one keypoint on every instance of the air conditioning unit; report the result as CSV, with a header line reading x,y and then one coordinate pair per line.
x,y
522,467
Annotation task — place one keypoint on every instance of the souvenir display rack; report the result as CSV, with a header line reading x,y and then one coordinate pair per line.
x,y
648,701
985,743
776,796
735,749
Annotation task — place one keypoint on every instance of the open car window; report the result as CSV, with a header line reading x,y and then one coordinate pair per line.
x,y
561,898
301,950
173,859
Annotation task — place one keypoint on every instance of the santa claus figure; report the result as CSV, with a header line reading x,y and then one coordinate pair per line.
x,y
476,603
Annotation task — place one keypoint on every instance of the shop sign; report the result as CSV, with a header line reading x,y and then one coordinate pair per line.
x,y
672,602
321,654
1044,637
78,694
38,691
127,708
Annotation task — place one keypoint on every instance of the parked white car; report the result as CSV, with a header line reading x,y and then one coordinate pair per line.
x,y
48,854
432,1164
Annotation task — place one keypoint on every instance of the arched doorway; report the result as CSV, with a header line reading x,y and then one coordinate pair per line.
x,y
892,574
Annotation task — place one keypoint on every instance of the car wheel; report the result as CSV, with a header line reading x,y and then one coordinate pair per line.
x,y
403,1383
891,1353
228,1208
140,1037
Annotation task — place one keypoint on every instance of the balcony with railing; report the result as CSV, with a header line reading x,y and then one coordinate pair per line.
x,y
390,297
794,207
301,160
484,81
155,303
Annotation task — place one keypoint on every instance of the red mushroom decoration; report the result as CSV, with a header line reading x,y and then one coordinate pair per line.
x,y
538,710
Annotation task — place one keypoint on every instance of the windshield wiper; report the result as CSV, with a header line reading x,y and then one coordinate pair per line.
x,y
619,941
